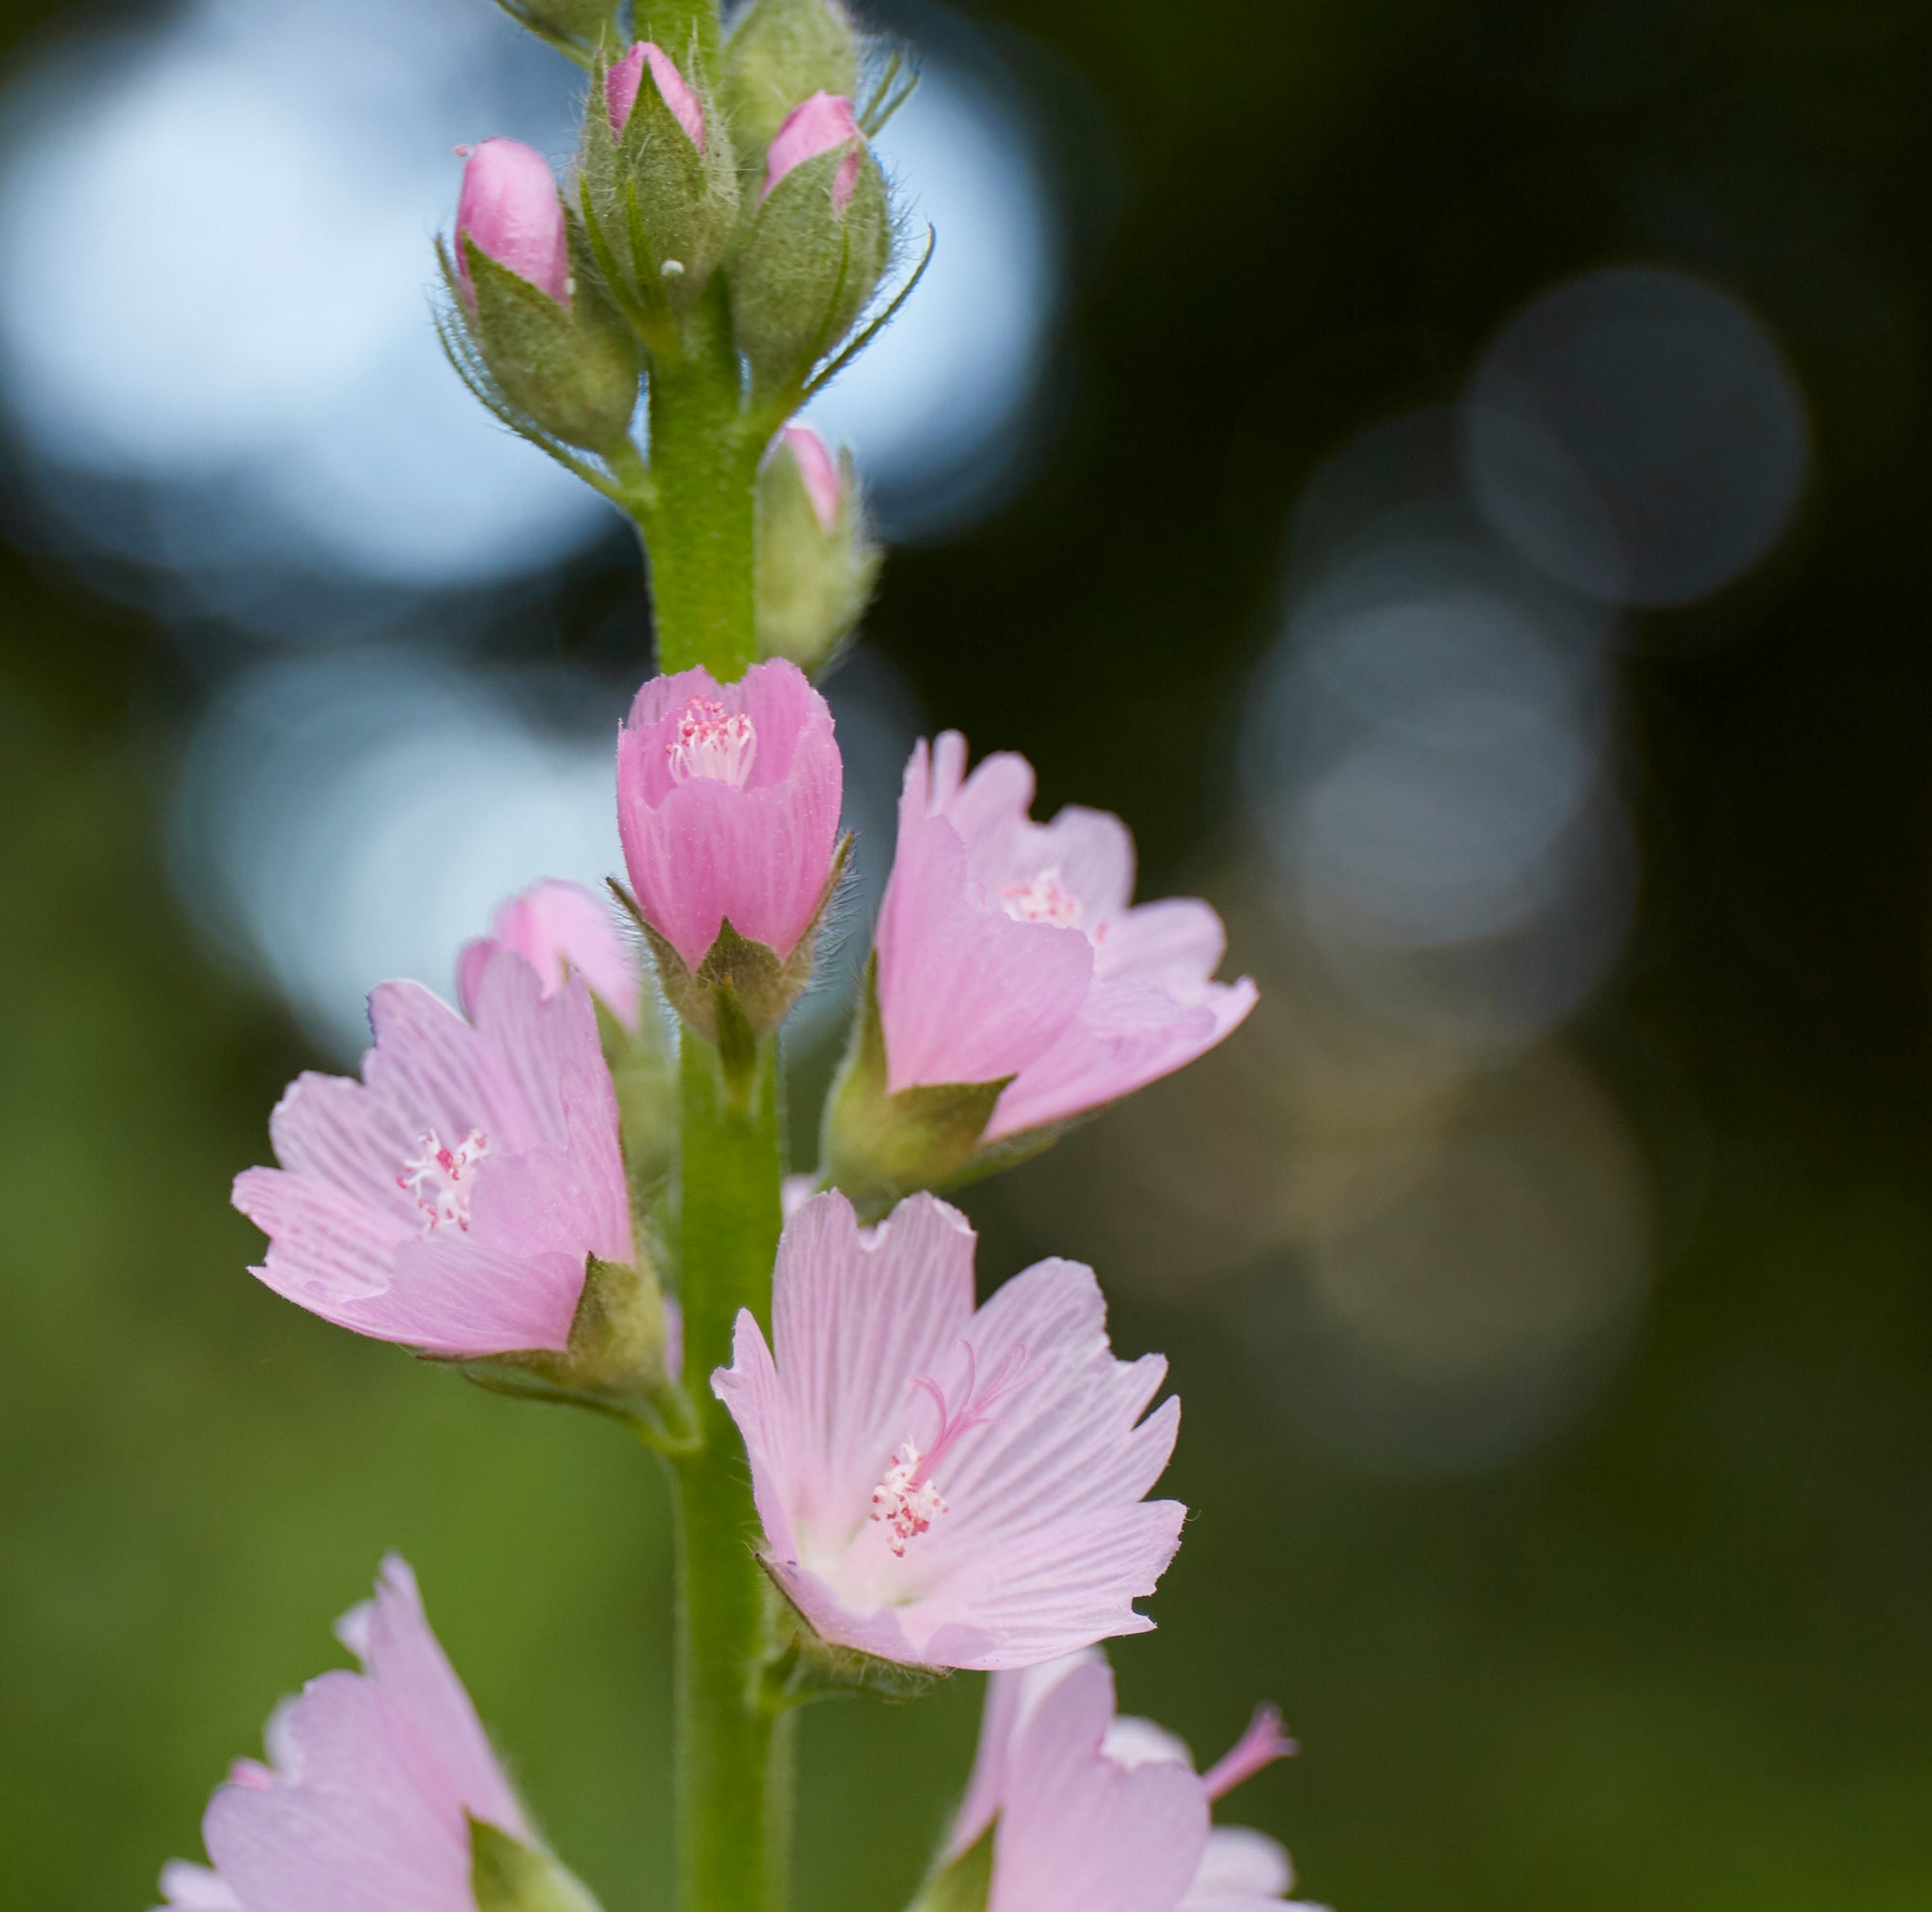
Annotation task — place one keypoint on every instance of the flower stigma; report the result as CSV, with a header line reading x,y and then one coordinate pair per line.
x,y
905,1497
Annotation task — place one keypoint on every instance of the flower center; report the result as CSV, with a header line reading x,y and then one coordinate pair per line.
x,y
440,1181
1041,898
905,1497
711,744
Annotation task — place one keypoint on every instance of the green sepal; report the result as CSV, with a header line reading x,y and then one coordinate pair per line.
x,y
807,1667
804,272
506,1875
878,1147
813,584
615,1360
575,27
659,209
963,1886
572,371
781,52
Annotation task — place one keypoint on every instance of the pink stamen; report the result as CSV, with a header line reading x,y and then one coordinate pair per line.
x,y
905,1497
1262,1745
711,744
441,1179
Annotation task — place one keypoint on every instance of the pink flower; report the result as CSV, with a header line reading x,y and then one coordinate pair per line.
x,y
1010,948
728,802
813,127
449,1200
553,925
509,207
940,1486
1091,1812
816,466
372,1778
621,83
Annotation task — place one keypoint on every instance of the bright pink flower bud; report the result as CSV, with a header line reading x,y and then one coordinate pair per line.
x,y
940,1485
1010,948
1092,1813
819,470
449,1200
510,208
813,127
556,926
621,83
727,803
370,1782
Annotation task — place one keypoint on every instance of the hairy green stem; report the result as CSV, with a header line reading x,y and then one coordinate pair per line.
x,y
733,1778
699,524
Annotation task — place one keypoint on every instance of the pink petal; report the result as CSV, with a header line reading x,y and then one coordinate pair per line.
x,y
1079,1833
509,207
1011,1699
1125,1035
966,993
197,1889
553,925
823,483
621,83
1238,1870
813,127
1175,945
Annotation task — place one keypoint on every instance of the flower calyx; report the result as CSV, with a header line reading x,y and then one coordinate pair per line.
x,y
961,1885
507,1876
659,188
622,1358
806,1667
741,991
878,1146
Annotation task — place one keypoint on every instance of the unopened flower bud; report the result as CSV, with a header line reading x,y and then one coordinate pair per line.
x,y
816,564
780,53
660,180
550,340
817,245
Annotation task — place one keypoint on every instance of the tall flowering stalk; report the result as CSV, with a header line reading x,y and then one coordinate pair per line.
x,y
567,1184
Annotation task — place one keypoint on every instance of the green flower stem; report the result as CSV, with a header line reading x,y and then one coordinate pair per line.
x,y
698,524
733,1775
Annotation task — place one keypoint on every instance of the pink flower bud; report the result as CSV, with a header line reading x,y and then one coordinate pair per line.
x,y
621,83
813,127
553,925
727,803
509,208
816,466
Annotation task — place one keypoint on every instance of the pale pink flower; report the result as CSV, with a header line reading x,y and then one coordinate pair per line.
x,y
371,1780
1010,948
812,127
449,1200
555,927
509,207
1092,1813
727,803
621,83
940,1486
824,484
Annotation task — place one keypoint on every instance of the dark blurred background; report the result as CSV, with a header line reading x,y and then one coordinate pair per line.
x,y
1451,475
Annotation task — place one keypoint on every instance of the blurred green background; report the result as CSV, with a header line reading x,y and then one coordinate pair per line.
x,y
1558,1402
